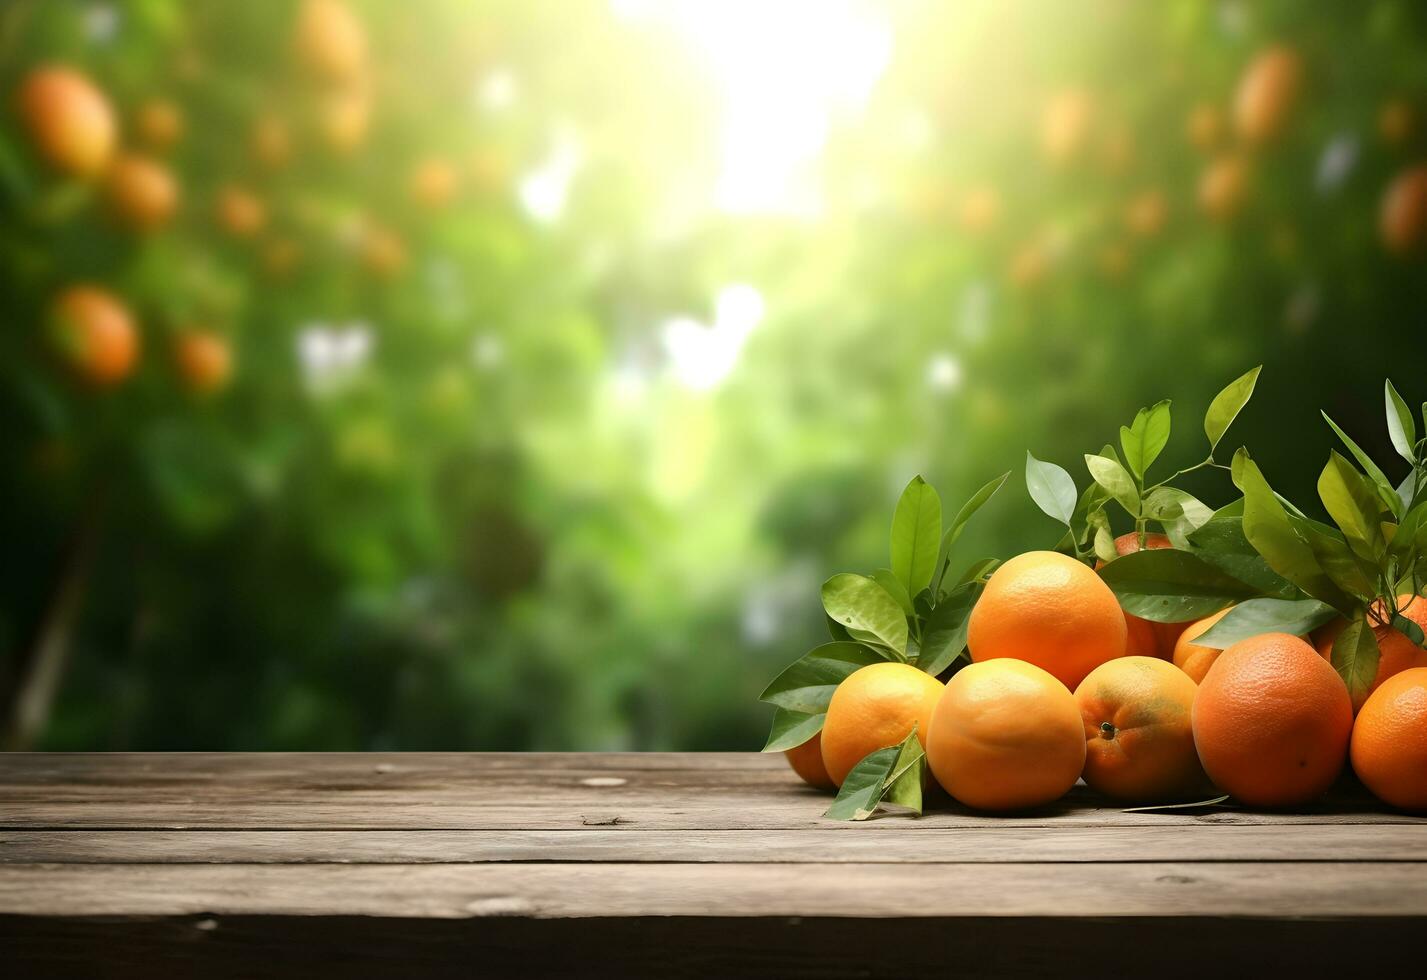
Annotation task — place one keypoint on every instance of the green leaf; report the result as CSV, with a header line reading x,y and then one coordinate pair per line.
x,y
1400,425
1170,586
806,685
1354,505
836,630
1355,657
895,588
1221,542
944,634
1267,528
1051,488
1179,513
959,522
1384,485
1407,628
1351,573
791,729
1166,807
1406,491
916,535
1145,438
1253,617
869,783
1407,532
1227,404
860,604
1117,483
1105,542
978,569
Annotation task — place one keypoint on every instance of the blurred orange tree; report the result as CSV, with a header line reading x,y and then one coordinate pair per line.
x,y
507,374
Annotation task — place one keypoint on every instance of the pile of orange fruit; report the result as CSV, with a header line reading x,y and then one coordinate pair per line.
x,y
1063,685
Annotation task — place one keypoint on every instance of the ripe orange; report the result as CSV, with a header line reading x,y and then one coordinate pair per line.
x,y
95,335
69,119
1144,638
141,192
1049,610
204,360
1389,747
1006,735
1267,93
1402,217
1395,121
1064,124
874,707
1272,721
1145,216
345,118
383,253
160,124
270,142
434,183
241,213
1396,652
807,762
980,209
1138,737
331,40
1205,127
1223,187
1190,657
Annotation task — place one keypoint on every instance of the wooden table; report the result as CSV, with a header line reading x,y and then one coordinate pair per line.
x,y
661,865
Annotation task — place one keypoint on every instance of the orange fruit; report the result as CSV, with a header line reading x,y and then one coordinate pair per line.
x,y
1223,187
344,120
1205,127
141,192
1049,610
1144,638
1195,659
874,707
1267,93
1145,216
1402,216
95,335
1396,652
69,120
204,360
1006,735
1190,657
1395,121
434,182
980,209
1139,742
1272,721
1389,746
331,40
160,124
382,252
241,213
270,142
807,762
1064,124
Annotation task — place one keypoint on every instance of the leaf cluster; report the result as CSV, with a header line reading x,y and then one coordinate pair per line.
x,y
913,612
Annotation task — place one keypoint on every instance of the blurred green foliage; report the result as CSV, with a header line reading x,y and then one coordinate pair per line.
x,y
558,459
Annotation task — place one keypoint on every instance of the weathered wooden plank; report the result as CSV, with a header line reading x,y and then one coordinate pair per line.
x,y
456,791
980,844
560,890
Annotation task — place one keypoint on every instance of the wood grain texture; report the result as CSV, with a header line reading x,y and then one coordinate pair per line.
x,y
541,791
664,865
981,845
557,890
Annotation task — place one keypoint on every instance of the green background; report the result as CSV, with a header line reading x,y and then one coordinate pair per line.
x,y
524,519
